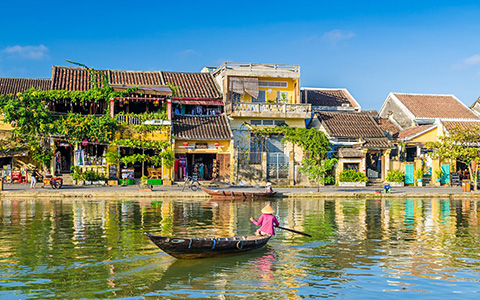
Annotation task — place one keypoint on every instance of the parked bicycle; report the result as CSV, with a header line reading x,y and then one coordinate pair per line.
x,y
191,183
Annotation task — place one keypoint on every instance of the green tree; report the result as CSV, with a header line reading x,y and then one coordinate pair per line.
x,y
315,145
317,170
460,145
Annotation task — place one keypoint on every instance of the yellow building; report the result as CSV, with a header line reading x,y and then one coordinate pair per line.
x,y
262,95
143,116
422,118
16,160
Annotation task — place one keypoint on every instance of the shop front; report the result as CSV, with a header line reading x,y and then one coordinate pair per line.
x,y
63,156
91,157
209,161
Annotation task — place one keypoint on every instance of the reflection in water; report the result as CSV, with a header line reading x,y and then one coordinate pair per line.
x,y
360,249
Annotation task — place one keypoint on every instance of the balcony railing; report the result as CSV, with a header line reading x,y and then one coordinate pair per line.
x,y
283,109
273,69
128,120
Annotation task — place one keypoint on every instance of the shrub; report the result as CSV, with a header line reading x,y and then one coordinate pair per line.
x,y
92,176
395,176
352,176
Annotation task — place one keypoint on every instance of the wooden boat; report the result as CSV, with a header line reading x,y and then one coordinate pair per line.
x,y
236,194
207,247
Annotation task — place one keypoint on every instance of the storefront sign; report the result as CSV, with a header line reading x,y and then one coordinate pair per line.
x,y
79,157
128,173
112,172
201,145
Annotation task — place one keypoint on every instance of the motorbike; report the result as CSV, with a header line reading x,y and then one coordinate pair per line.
x,y
55,182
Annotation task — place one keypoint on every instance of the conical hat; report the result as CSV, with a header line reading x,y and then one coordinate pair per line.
x,y
268,210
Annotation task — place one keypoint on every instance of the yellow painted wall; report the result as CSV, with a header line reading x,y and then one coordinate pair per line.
x,y
3,125
127,133
237,122
292,90
429,136
223,149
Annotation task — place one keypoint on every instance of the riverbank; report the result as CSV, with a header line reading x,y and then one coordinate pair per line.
x,y
126,192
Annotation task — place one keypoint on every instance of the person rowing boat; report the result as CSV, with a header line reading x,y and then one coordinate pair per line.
x,y
267,221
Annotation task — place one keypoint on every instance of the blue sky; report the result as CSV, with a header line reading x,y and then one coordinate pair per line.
x,y
371,48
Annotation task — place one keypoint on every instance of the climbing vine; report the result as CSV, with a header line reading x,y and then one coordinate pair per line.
x,y
314,143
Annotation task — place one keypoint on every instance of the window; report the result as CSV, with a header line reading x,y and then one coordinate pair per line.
x,y
280,84
350,166
236,97
268,122
261,97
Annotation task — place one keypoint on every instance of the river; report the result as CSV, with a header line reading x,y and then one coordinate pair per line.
x,y
361,249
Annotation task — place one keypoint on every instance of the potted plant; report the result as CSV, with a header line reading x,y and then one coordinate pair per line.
x,y
396,178
77,175
438,175
352,178
419,175
102,179
143,184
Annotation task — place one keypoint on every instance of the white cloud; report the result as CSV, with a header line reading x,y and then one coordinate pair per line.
x,y
472,60
27,52
187,53
337,35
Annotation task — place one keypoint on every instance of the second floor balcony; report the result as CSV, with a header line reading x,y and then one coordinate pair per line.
x,y
269,110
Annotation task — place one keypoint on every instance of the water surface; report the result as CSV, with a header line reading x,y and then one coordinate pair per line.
x,y
361,249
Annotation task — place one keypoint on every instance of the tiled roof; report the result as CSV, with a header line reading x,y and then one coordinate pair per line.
x,y
327,97
201,128
375,143
413,131
435,106
72,79
193,85
387,126
135,78
349,152
449,125
18,85
350,125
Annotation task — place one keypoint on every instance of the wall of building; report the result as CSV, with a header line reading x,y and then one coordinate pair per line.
x,y
271,92
397,113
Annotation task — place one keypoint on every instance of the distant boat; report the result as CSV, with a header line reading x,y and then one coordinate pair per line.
x,y
187,248
236,194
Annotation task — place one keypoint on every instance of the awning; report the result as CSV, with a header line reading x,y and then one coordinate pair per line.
x,y
217,102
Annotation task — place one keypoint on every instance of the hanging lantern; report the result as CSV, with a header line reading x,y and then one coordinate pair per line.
x,y
185,144
217,144
84,143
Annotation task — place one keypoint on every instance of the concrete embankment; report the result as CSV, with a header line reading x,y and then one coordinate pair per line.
x,y
175,192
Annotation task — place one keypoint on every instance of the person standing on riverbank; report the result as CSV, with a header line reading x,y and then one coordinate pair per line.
x,y
33,178
267,221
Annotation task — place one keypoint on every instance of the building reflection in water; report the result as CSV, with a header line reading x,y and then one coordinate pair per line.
x,y
424,238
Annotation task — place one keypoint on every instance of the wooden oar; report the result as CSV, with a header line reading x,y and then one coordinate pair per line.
x,y
298,232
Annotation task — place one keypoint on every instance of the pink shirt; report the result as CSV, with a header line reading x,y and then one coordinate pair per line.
x,y
267,221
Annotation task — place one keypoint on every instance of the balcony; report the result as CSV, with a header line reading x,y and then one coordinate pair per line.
x,y
259,70
269,110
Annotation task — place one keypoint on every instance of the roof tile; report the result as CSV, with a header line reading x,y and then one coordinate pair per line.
x,y
72,78
350,125
18,85
435,106
193,85
327,97
201,128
